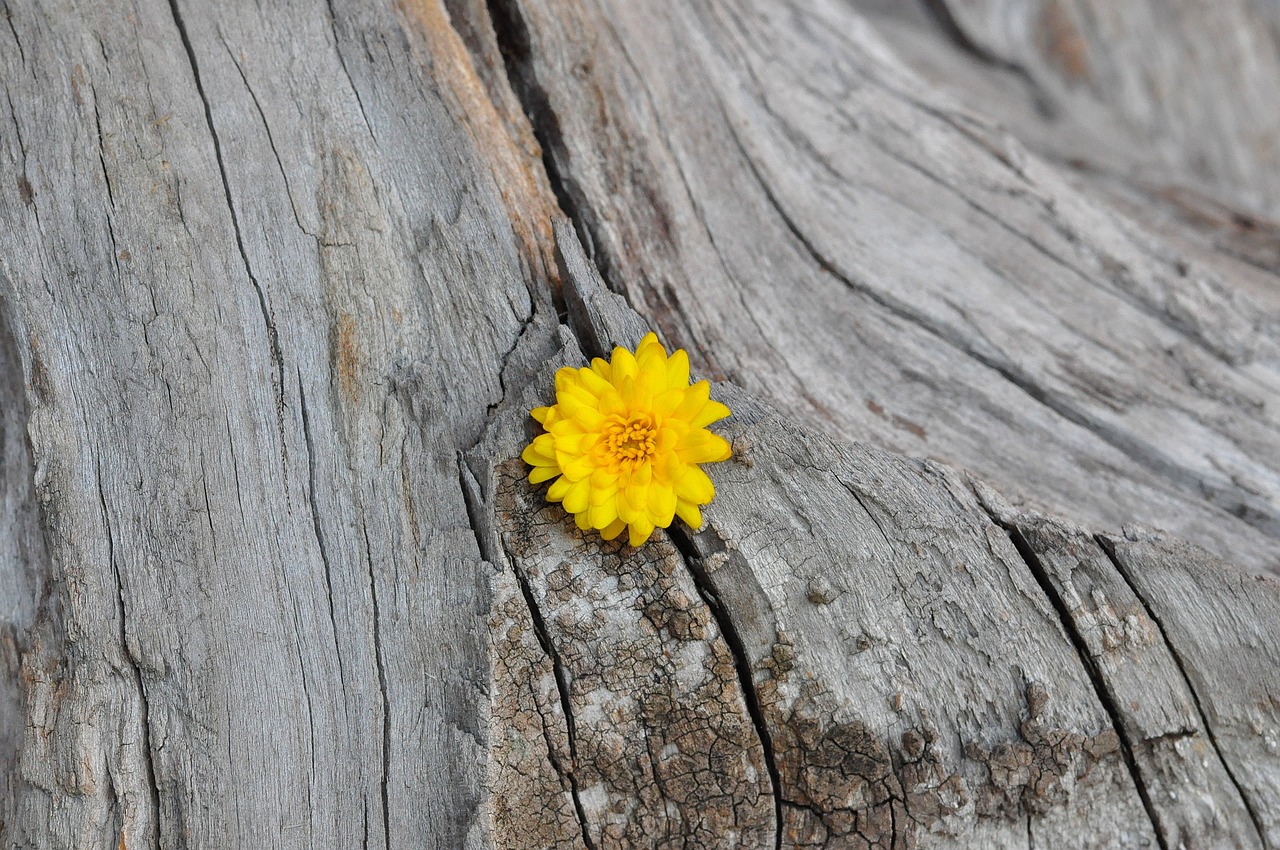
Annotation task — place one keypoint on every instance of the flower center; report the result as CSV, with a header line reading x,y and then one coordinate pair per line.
x,y
630,442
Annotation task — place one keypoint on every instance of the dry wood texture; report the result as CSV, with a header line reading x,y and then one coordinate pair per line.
x,y
279,283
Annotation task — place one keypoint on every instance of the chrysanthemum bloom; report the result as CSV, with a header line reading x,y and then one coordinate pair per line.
x,y
624,439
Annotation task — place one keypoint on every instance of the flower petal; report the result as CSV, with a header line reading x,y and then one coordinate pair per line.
x,y
640,531
690,513
695,398
543,473
603,515
557,490
702,446
624,365
575,500
575,467
613,529
695,486
714,411
662,505
649,342
533,457
678,370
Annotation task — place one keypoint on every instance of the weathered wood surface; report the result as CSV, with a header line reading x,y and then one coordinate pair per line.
x,y
280,283
1194,81
828,224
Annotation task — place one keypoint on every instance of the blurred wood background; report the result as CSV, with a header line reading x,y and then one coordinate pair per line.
x,y
992,287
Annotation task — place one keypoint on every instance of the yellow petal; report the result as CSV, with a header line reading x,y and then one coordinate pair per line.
x,y
666,402
640,531
637,495
678,369
662,505
648,384
543,473
566,376
593,382
602,516
703,447
690,513
624,365
576,404
575,500
540,414
533,457
652,359
650,341
557,490
572,443
611,404
695,486
600,495
575,467
582,521
613,529
695,398
713,412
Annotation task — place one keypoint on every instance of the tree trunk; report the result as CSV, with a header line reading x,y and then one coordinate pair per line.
x,y
282,281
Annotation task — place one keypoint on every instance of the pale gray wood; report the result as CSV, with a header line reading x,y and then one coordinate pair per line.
x,y
1190,785
912,677
1194,80
23,561
1205,218
1219,626
776,192
252,339
280,284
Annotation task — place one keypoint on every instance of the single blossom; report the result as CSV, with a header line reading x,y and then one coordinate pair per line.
x,y
624,441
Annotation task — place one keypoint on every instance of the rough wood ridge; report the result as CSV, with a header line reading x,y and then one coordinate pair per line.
x,y
280,282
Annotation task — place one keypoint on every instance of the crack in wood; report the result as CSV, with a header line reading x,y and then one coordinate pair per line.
x,y
1096,677
474,504
315,523
687,547
951,28
1108,547
273,336
148,752
382,686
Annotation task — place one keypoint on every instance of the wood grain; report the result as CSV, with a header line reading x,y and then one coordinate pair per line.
x,y
239,268
773,189
281,282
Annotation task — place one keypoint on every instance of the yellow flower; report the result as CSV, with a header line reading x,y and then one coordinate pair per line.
x,y
624,440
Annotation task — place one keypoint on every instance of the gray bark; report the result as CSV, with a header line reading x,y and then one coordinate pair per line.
x,y
281,282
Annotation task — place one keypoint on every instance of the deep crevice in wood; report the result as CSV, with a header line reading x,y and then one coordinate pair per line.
x,y
382,687
273,336
148,753
315,522
566,706
1234,501
687,547
1096,678
18,550
515,46
342,60
1108,546
950,27
472,502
